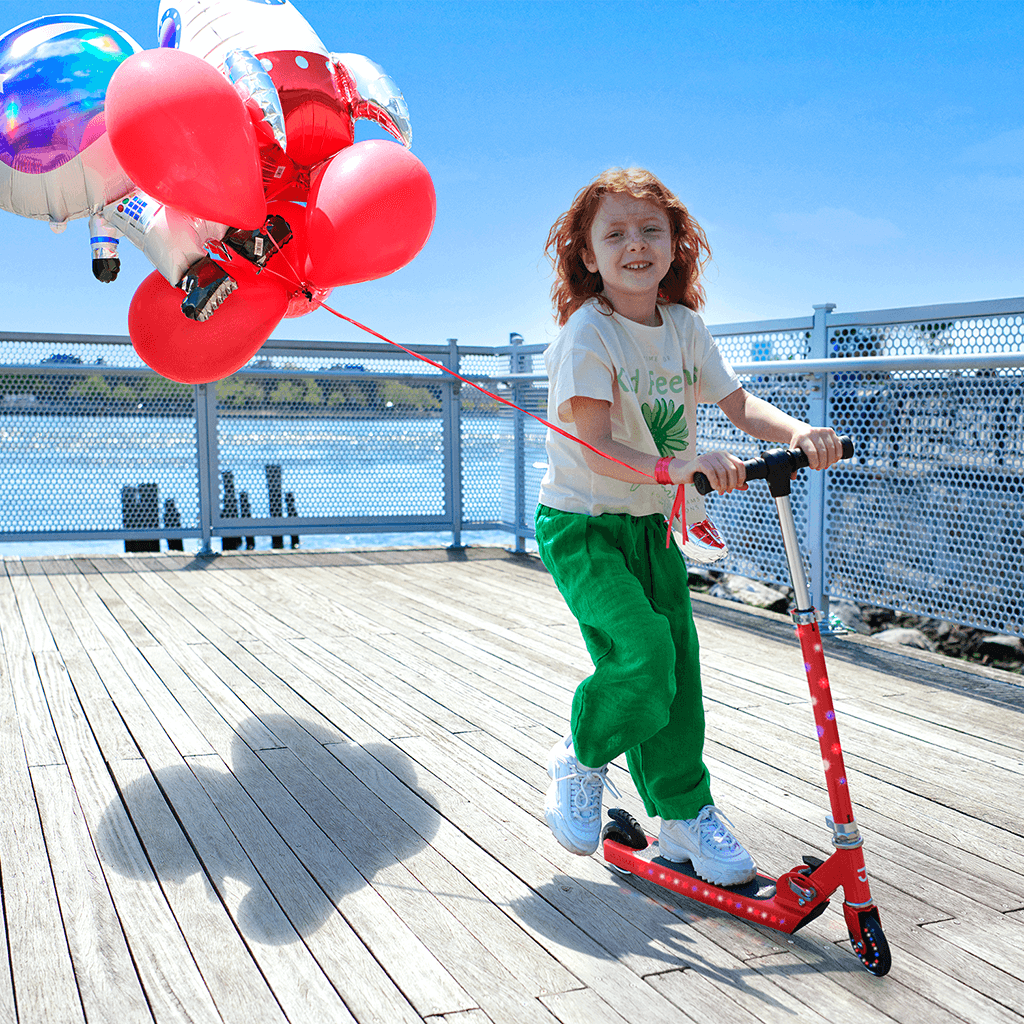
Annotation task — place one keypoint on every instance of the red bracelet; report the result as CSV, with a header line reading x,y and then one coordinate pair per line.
x,y
661,470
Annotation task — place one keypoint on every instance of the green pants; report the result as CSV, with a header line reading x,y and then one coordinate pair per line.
x,y
631,598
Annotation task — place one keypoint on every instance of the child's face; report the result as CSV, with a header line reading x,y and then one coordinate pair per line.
x,y
631,247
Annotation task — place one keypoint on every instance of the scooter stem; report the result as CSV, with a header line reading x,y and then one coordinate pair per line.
x,y
845,834
792,546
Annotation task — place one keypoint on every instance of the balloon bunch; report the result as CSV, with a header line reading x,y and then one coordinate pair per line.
x,y
231,165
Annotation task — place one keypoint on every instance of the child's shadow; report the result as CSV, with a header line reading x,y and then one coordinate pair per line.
x,y
345,811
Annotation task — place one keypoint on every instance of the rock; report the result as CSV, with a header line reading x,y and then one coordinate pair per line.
x,y
906,638
877,618
701,579
745,591
999,648
850,615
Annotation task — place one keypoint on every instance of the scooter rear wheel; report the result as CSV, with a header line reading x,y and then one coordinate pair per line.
x,y
625,829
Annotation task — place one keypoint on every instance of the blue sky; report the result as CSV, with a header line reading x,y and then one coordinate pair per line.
x,y
867,154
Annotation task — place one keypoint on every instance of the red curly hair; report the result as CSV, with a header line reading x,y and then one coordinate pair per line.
x,y
570,235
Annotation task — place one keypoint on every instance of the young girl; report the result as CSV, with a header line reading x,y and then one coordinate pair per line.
x,y
626,372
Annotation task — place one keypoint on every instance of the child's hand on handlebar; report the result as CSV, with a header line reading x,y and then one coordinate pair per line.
x,y
821,445
724,470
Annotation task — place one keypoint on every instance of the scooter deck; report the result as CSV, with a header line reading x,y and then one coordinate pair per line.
x,y
754,901
679,876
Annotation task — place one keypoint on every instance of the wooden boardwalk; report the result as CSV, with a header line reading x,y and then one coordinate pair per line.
x,y
308,787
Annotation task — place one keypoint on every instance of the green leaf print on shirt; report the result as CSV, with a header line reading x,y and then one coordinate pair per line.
x,y
667,424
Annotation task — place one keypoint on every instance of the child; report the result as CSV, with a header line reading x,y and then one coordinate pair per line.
x,y
626,372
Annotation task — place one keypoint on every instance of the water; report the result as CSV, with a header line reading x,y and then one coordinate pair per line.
x,y
66,474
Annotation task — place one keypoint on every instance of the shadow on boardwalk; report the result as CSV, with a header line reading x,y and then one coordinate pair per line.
x,y
176,829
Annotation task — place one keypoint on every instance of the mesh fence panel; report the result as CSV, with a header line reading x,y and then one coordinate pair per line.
x,y
762,346
944,335
488,436
747,519
348,442
90,440
928,519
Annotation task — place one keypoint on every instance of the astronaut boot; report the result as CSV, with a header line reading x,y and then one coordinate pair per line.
x,y
206,285
106,268
258,246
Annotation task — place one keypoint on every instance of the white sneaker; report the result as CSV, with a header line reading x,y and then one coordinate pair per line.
x,y
572,806
707,843
704,543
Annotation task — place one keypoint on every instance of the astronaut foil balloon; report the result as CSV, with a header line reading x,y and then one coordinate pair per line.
x,y
226,154
55,163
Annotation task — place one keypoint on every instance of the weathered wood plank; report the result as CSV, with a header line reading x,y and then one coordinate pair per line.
x,y
384,932
258,617
107,983
103,719
967,836
209,705
559,908
168,986
161,619
995,938
33,621
584,1006
745,995
363,843
68,597
206,971
41,971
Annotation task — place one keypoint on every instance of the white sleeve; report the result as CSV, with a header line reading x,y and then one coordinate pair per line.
x,y
580,368
717,379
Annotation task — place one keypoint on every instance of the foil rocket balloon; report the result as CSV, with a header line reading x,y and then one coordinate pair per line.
x,y
227,155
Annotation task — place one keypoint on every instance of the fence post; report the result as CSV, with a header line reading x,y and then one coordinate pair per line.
x,y
517,364
206,448
817,412
453,446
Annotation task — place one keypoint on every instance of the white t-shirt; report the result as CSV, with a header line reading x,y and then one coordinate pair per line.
x,y
654,377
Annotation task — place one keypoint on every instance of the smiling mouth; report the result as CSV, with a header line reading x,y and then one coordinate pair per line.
x,y
637,266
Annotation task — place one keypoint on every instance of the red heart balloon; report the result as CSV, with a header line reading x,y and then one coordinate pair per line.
x,y
198,353
183,135
371,208
290,262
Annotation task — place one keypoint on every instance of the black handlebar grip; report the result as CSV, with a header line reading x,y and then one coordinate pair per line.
x,y
757,469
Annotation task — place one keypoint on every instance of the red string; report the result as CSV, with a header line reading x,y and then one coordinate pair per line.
x,y
678,506
678,509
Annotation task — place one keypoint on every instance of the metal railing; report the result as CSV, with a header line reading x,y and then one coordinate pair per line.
x,y
344,438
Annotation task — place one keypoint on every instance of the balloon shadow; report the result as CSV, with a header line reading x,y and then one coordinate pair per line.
x,y
345,811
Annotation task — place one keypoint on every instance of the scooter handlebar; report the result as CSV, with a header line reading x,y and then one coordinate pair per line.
x,y
757,469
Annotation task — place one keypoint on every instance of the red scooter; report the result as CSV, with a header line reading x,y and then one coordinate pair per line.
x,y
802,894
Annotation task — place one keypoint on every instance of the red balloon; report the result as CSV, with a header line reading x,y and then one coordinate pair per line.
x,y
370,211
198,353
183,135
289,264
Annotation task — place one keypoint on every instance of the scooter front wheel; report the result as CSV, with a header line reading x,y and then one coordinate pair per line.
x,y
871,945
